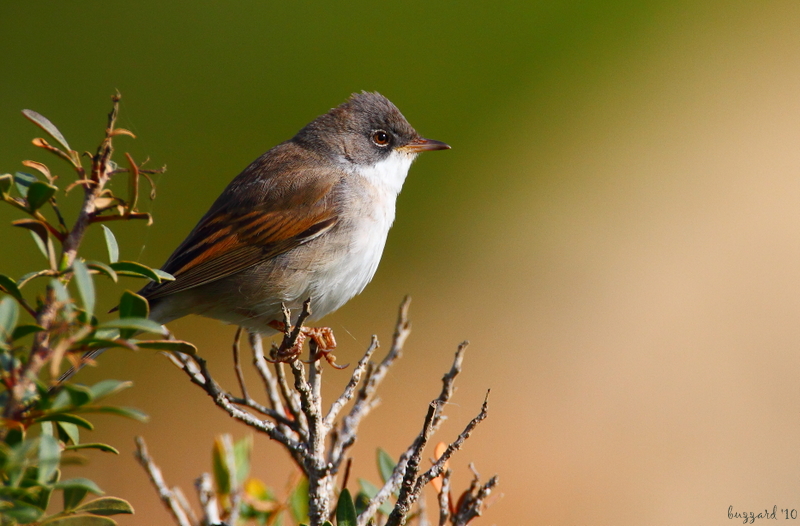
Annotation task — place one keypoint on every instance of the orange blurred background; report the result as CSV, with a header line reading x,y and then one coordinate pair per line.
x,y
616,230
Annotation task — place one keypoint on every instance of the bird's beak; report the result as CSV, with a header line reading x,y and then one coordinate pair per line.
x,y
424,145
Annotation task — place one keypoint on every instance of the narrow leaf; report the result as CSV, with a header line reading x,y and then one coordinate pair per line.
x,y
106,388
222,460
38,194
78,394
9,313
127,412
79,482
23,181
106,506
49,457
134,269
73,496
85,285
385,465
298,501
371,490
165,276
40,167
23,330
66,417
104,269
242,451
68,432
168,345
80,520
345,510
111,245
132,305
93,445
139,324
41,236
45,124
9,286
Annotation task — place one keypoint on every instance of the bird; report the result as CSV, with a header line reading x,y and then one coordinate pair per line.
x,y
307,219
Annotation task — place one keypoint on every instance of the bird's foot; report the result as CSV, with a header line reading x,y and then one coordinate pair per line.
x,y
321,336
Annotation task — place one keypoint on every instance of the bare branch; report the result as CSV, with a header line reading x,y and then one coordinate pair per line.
x,y
208,501
237,364
350,389
173,504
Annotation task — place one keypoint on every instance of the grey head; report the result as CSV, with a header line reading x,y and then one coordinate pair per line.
x,y
364,130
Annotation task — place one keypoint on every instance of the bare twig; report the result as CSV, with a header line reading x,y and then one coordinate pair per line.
x,y
208,501
444,498
318,442
167,496
237,364
472,503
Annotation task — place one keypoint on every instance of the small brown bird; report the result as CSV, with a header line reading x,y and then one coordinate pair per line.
x,y
309,218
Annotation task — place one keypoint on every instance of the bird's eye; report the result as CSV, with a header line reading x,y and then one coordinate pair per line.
x,y
380,137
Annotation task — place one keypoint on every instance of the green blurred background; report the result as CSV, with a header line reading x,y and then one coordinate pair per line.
x,y
616,229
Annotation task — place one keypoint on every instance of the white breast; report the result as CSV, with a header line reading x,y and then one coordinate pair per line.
x,y
382,183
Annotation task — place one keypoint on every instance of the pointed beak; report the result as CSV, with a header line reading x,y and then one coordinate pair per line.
x,y
424,145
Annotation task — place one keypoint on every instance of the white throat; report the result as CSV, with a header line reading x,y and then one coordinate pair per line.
x,y
390,173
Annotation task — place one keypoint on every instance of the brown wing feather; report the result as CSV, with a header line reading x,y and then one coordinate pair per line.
x,y
276,204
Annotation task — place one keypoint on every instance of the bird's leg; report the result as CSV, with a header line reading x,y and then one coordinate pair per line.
x,y
322,336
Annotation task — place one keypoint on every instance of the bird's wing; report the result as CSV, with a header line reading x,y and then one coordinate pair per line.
x,y
271,216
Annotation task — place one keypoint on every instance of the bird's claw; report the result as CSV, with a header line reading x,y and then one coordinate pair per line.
x,y
321,336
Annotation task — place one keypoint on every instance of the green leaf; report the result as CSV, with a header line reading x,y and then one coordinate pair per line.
x,y
103,343
165,276
137,324
78,394
106,388
298,501
385,465
127,412
242,451
9,286
66,417
45,124
22,512
93,445
5,183
23,330
345,510
75,490
371,490
133,306
80,520
104,269
49,457
38,194
136,270
68,432
221,459
106,506
23,181
85,284
111,244
9,313
168,345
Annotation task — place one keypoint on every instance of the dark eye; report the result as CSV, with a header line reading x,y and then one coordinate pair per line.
x,y
380,137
